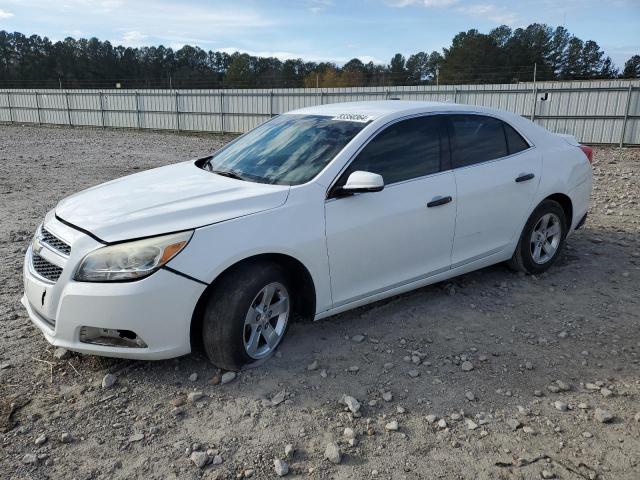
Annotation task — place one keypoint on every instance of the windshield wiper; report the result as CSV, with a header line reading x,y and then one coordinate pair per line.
x,y
228,173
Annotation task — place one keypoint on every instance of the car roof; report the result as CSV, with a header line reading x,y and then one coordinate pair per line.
x,y
384,108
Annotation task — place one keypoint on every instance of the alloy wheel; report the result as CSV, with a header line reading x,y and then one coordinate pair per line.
x,y
266,321
545,238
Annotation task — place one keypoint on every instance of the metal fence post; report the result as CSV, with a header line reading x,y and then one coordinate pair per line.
x,y
66,96
101,108
321,97
455,94
177,112
38,109
137,109
221,112
535,101
535,92
626,115
271,103
9,105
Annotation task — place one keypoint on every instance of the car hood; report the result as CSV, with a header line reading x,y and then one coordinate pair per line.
x,y
166,199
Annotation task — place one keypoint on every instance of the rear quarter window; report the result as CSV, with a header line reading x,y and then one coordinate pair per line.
x,y
515,142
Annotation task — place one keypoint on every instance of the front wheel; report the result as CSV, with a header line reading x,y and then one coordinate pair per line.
x,y
542,239
247,316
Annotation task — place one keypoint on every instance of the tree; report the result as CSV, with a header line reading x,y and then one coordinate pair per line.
x,y
558,50
473,58
502,55
632,67
397,70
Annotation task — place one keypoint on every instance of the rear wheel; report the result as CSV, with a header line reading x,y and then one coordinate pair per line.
x,y
247,316
542,239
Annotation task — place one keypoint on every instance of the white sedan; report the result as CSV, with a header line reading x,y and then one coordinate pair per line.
x,y
314,212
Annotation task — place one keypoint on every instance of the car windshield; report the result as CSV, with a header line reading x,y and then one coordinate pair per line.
x,y
287,150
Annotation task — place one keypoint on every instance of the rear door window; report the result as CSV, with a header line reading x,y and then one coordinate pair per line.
x,y
476,139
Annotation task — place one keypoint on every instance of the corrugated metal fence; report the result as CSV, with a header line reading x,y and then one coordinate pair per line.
x,y
602,111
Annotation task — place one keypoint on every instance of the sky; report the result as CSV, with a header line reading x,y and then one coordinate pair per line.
x,y
319,30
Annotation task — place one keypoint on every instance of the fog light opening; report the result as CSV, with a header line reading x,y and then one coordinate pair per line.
x,y
111,337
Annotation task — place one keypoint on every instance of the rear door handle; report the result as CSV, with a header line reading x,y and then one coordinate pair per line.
x,y
524,178
439,201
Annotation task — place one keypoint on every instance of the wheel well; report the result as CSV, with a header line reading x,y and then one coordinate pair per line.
x,y
300,281
567,206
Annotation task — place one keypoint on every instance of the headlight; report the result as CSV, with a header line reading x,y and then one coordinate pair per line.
x,y
131,260
35,243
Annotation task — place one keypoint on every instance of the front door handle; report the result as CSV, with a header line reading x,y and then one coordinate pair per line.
x,y
524,178
439,201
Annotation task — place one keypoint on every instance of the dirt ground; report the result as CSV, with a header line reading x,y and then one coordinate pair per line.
x,y
493,375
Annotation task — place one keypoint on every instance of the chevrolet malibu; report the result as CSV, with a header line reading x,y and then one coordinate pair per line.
x,y
312,213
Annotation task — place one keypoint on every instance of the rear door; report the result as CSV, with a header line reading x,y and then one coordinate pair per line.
x,y
497,173
380,240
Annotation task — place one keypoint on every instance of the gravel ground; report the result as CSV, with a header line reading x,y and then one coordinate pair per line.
x,y
493,375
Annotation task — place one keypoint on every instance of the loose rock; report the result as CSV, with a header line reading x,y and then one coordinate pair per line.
x,y
61,353
200,459
392,426
281,467
352,404
602,416
289,451
513,423
29,459
227,377
108,380
193,397
332,453
563,407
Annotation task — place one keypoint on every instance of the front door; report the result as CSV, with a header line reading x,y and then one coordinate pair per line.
x,y
380,240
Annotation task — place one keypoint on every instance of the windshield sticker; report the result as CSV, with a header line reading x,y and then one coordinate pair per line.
x,y
353,117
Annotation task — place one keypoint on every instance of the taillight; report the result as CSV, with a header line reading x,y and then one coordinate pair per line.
x,y
588,151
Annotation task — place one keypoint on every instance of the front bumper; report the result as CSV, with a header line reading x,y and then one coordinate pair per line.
x,y
157,308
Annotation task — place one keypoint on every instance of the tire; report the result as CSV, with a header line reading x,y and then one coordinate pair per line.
x,y
232,338
535,252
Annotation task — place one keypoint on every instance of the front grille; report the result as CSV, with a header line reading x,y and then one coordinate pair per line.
x,y
55,243
44,268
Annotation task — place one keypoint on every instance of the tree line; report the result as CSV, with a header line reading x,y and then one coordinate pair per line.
x,y
504,55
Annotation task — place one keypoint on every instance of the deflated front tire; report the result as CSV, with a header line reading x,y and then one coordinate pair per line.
x,y
247,315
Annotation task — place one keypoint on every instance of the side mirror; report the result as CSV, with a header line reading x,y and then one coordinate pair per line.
x,y
360,182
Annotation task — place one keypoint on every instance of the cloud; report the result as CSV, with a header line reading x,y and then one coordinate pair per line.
x,y
482,10
318,6
133,39
425,3
5,14
490,12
